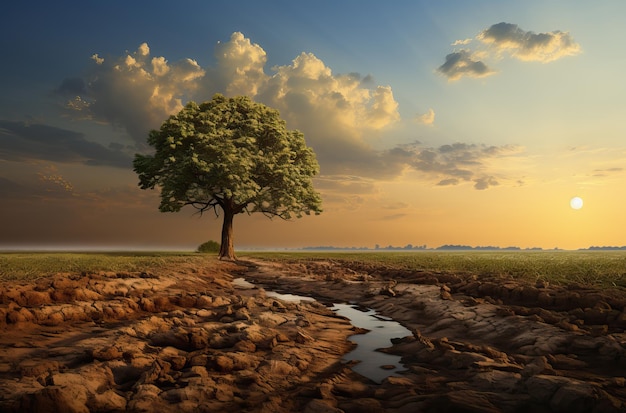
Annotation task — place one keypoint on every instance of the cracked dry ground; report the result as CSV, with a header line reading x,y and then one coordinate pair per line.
x,y
185,339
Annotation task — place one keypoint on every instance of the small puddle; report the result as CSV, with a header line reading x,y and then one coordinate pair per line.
x,y
373,364
292,298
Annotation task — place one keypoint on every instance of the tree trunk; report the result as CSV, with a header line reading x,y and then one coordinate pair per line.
x,y
227,250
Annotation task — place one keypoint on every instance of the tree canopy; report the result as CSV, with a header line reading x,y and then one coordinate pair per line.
x,y
231,154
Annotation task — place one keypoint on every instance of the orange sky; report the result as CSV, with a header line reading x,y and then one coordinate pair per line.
x,y
468,123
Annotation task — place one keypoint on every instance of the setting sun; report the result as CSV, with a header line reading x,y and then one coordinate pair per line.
x,y
576,202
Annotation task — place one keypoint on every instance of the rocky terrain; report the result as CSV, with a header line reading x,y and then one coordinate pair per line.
x,y
188,339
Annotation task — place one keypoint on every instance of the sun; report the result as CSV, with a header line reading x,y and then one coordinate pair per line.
x,y
576,202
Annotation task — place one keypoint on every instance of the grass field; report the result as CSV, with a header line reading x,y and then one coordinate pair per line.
x,y
30,265
598,268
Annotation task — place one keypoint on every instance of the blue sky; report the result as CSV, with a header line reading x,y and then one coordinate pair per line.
x,y
460,122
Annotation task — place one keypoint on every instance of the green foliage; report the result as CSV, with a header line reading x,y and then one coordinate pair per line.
x,y
209,246
232,153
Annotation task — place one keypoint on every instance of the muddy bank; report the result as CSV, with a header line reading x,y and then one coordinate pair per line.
x,y
180,340
483,345
186,339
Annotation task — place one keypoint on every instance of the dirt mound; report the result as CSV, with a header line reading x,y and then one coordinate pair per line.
x,y
181,340
188,339
483,346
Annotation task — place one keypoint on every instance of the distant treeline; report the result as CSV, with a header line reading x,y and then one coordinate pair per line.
x,y
451,247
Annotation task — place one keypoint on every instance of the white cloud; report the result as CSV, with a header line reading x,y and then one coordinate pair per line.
x,y
462,42
427,118
529,46
135,91
506,38
97,59
240,66
339,114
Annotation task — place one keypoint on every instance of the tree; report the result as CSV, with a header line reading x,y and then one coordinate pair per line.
x,y
233,155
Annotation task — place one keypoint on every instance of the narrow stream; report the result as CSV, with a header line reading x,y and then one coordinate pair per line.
x,y
373,364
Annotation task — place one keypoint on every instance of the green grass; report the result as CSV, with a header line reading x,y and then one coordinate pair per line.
x,y
30,265
597,268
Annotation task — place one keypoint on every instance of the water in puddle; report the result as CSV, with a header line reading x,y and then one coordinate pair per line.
x,y
372,364
382,330
292,298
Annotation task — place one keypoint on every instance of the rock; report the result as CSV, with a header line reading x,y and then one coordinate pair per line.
x,y
245,346
388,289
93,378
321,406
204,302
364,405
277,368
242,314
497,380
34,368
539,365
270,319
564,362
109,401
260,336
174,356
468,401
303,338
145,399
541,387
21,315
58,399
198,338
224,363
354,389
157,373
107,353
444,293
574,397
36,298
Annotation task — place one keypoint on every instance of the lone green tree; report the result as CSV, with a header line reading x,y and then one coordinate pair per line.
x,y
233,155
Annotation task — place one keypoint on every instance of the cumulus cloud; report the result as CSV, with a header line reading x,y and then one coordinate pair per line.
x,y
20,141
427,118
137,92
510,39
134,91
307,84
463,63
241,66
529,46
339,114
462,42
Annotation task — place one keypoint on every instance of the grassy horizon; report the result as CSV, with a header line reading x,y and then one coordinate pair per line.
x,y
595,268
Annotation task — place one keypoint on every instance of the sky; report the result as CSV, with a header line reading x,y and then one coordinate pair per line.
x,y
434,122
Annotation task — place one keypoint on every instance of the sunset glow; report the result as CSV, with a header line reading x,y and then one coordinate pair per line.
x,y
434,123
